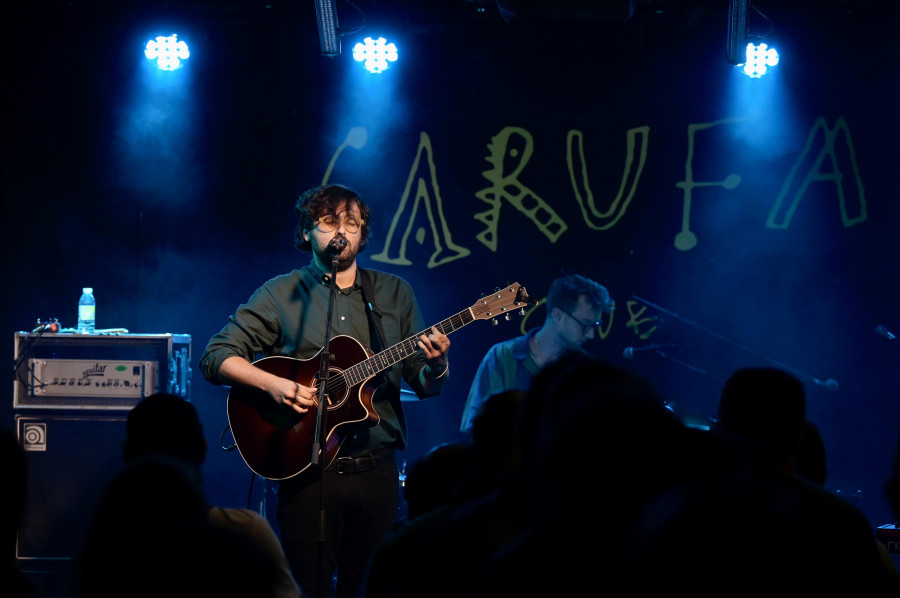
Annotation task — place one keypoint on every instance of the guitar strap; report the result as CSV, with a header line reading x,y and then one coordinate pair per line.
x,y
372,310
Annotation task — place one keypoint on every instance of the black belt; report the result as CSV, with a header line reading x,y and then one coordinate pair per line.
x,y
344,465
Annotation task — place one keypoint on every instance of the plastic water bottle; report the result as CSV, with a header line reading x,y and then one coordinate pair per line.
x,y
87,310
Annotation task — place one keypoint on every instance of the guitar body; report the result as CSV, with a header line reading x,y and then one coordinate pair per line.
x,y
275,441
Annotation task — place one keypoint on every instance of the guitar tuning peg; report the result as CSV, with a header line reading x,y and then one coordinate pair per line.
x,y
522,312
494,322
506,317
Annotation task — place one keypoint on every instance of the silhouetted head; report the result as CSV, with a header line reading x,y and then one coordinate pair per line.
x,y
433,479
165,424
766,406
586,417
495,429
150,534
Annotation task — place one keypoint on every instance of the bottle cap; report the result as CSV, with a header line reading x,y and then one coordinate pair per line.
x,y
87,290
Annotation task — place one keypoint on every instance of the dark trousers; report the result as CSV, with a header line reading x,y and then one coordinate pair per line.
x,y
359,511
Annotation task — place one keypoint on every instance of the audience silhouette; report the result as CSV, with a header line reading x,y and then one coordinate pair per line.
x,y
154,533
431,483
494,433
589,445
756,525
608,489
597,444
585,479
888,533
892,486
432,480
811,460
395,569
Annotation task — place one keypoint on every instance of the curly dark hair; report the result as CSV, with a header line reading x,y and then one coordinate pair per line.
x,y
322,200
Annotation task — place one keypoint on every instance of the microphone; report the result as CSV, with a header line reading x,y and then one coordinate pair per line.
x,y
628,353
336,245
881,330
829,384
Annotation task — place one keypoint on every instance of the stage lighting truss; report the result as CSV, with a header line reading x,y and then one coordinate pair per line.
x,y
327,20
375,55
168,51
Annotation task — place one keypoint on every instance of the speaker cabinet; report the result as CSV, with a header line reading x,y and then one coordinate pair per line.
x,y
71,460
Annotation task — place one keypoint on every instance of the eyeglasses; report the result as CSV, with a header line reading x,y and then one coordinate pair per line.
x,y
329,224
585,328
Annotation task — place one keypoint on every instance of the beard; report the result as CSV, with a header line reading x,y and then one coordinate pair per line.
x,y
345,258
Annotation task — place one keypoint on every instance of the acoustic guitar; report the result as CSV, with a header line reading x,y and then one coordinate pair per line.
x,y
277,443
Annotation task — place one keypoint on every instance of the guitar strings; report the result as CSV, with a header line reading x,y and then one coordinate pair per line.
x,y
354,373
395,352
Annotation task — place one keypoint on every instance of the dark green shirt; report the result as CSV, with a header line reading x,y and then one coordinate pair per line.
x,y
286,316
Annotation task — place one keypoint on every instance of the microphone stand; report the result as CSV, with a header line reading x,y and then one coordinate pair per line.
x,y
685,364
829,384
323,585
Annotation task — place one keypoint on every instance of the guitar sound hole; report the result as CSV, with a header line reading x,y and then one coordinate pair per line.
x,y
337,390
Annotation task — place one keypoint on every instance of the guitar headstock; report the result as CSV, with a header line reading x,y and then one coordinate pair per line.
x,y
502,302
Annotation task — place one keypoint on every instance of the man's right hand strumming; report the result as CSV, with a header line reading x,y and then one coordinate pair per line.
x,y
283,391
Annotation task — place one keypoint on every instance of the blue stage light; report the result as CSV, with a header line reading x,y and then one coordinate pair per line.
x,y
375,54
759,58
168,52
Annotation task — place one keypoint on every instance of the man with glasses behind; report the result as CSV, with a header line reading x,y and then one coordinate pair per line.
x,y
333,521
575,307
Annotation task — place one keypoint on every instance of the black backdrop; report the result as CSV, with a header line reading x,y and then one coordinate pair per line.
x,y
745,222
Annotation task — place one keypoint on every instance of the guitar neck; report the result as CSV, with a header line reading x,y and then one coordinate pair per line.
x,y
381,361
